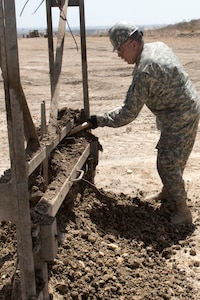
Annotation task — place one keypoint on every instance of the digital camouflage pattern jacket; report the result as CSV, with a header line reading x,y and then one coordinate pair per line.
x,y
159,82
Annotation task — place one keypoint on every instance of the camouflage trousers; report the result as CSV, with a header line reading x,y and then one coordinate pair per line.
x,y
173,153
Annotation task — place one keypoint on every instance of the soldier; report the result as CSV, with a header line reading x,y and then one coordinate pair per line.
x,y
159,82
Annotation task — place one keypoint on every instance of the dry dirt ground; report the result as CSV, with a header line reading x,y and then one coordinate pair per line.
x,y
116,245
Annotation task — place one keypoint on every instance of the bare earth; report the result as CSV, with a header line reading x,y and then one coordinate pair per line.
x,y
116,245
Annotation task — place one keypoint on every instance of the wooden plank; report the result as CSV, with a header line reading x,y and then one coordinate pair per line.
x,y
42,274
47,148
17,151
57,68
29,127
52,199
8,207
49,241
36,160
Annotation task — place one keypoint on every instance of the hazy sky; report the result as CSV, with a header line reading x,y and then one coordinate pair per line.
x,y
108,12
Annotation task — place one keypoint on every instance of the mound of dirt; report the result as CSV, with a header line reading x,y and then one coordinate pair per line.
x,y
113,246
182,29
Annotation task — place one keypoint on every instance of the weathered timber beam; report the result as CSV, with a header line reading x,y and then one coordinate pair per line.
x,y
46,149
29,127
8,207
55,80
58,189
19,176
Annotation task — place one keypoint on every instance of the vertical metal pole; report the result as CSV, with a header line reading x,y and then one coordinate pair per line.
x,y
50,41
45,164
84,59
43,120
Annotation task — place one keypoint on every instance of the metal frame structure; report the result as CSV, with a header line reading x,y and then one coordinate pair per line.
x,y
36,245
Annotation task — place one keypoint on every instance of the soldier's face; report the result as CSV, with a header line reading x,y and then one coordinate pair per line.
x,y
128,51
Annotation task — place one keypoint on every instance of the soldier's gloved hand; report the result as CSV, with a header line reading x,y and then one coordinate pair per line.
x,y
93,121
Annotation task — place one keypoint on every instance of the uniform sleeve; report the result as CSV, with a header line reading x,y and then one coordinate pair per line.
x,y
130,109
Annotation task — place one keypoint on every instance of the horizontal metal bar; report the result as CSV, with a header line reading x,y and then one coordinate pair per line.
x,y
55,3
74,3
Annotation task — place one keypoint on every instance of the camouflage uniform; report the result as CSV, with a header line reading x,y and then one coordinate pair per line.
x,y
160,82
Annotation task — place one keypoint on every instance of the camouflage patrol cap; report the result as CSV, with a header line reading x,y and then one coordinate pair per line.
x,y
120,32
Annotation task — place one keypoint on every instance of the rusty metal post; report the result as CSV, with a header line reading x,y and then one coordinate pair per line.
x,y
84,59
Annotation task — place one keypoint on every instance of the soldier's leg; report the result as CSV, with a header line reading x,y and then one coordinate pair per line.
x,y
170,171
171,164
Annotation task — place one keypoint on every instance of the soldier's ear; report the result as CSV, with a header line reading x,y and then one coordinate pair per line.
x,y
134,44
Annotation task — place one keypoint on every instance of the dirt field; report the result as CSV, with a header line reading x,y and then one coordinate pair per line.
x,y
116,245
